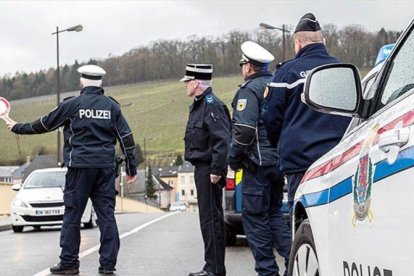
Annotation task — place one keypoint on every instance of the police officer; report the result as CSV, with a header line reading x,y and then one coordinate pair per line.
x,y
92,123
301,134
262,183
207,136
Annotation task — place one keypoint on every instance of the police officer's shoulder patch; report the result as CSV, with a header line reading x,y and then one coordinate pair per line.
x,y
209,99
65,99
113,99
241,104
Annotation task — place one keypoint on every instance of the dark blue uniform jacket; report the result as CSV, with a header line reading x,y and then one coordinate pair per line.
x,y
249,140
301,134
207,134
92,124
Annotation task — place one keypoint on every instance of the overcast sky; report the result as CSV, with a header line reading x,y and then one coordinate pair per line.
x,y
114,27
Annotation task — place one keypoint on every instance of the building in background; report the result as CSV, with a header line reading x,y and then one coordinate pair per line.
x,y
186,190
6,174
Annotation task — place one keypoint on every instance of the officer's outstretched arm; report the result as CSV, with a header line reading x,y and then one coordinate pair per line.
x,y
126,140
56,118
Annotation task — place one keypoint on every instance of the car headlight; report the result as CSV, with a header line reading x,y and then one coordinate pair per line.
x,y
20,203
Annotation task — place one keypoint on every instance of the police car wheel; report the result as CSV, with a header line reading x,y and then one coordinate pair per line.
x,y
303,257
17,229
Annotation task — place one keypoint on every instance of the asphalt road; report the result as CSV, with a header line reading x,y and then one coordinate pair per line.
x,y
151,244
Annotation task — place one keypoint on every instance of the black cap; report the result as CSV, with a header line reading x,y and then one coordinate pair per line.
x,y
198,71
308,23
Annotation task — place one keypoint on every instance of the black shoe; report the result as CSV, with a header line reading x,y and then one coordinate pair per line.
x,y
59,269
106,270
205,273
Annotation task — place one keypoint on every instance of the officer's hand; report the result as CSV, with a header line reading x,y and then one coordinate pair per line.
x,y
214,178
131,178
10,124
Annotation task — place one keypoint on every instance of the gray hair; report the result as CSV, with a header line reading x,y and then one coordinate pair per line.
x,y
88,82
205,83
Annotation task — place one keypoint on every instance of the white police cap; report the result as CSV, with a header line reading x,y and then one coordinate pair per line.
x,y
255,54
91,72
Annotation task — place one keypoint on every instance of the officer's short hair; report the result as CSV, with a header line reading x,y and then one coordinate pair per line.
x,y
88,82
309,37
207,83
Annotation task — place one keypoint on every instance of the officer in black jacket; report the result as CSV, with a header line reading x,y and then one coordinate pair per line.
x,y
301,133
92,124
262,182
207,137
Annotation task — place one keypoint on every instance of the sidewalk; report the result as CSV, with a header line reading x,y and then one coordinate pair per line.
x,y
5,223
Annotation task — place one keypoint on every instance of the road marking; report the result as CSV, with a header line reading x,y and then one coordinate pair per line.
x,y
96,247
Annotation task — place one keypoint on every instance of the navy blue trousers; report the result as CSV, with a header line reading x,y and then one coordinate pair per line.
x,y
263,222
99,185
293,181
210,198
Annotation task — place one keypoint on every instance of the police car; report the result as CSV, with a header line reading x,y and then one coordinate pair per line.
x,y
39,201
352,214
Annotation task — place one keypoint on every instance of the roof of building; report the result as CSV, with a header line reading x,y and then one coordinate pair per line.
x,y
19,172
161,185
170,171
40,162
186,167
7,171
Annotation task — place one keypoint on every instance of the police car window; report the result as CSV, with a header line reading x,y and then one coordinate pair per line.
x,y
401,75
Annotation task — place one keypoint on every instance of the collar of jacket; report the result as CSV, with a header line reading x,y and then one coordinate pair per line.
x,y
92,90
314,48
259,74
202,96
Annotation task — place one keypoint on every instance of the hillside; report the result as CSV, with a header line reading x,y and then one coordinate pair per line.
x,y
155,110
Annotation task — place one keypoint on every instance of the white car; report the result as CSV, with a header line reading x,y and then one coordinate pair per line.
x,y
353,209
39,201
178,206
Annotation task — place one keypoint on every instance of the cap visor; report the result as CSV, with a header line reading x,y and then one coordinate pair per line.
x,y
187,78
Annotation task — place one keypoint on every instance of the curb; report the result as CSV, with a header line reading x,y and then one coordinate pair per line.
x,y
5,227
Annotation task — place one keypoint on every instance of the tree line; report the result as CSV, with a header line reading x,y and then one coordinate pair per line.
x,y
166,59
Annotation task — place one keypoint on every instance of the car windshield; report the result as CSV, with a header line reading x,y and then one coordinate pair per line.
x,y
45,180
176,204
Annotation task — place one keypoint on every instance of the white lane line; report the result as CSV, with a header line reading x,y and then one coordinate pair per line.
x,y
96,247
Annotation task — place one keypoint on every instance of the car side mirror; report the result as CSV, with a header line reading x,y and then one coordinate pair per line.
x,y
16,187
334,88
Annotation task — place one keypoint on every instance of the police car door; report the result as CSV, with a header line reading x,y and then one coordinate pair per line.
x,y
370,199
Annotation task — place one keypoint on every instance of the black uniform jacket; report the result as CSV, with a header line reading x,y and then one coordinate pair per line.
x,y
92,124
207,134
249,140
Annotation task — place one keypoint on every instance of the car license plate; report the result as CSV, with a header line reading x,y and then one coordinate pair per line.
x,y
47,212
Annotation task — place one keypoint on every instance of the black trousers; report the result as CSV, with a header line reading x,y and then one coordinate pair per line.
x,y
263,222
209,197
99,185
